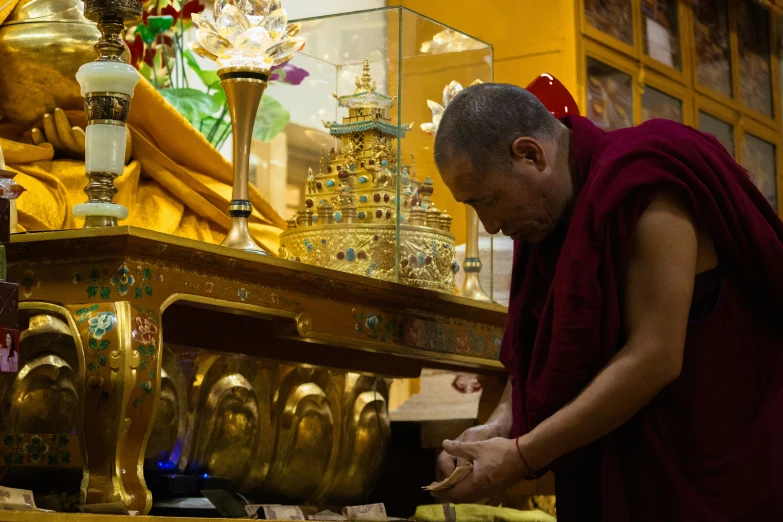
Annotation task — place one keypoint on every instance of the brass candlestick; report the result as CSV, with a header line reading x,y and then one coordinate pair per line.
x,y
244,87
107,86
471,287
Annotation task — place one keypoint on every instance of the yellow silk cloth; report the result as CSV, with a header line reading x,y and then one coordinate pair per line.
x,y
480,513
176,183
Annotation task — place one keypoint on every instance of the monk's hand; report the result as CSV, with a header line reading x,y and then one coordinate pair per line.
x,y
448,462
496,466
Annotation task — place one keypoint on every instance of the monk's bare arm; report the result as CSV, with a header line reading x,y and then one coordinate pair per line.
x,y
659,289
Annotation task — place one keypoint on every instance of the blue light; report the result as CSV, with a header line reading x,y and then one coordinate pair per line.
x,y
205,475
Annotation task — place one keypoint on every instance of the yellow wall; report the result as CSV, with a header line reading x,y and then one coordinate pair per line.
x,y
529,37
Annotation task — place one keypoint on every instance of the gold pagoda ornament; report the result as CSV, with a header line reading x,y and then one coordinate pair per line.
x,y
350,218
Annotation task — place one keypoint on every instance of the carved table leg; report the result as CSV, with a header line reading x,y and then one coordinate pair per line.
x,y
121,378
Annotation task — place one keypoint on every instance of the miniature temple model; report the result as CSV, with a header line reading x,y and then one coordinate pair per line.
x,y
349,221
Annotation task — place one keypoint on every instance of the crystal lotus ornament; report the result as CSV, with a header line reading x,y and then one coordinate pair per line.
x,y
248,33
449,92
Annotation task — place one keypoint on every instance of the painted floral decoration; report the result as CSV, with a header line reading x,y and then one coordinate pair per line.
x,y
123,280
101,324
35,448
147,330
242,294
29,281
250,33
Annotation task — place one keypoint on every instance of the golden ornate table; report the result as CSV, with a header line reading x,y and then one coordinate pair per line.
x,y
127,294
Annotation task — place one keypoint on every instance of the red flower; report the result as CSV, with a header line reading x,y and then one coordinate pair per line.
x,y
186,13
136,51
171,11
190,8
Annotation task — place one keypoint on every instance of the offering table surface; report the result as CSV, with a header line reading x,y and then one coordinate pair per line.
x,y
126,291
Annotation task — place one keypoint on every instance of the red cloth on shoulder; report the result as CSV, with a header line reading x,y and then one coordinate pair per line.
x,y
565,323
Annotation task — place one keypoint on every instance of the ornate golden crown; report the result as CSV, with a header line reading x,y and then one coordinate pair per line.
x,y
349,221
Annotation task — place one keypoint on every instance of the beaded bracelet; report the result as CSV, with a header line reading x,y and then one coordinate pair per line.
x,y
532,475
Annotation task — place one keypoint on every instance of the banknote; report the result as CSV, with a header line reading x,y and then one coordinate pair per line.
x,y
367,512
16,499
275,511
326,515
457,476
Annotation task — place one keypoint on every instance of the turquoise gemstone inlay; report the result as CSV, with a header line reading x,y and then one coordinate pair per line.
x,y
363,199
350,255
338,216
420,258
362,215
330,183
362,179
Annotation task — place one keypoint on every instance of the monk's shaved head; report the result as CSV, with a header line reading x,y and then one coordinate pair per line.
x,y
483,121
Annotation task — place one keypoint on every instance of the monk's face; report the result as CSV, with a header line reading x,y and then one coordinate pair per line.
x,y
519,196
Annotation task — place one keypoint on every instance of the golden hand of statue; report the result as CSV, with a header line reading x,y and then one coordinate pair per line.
x,y
66,138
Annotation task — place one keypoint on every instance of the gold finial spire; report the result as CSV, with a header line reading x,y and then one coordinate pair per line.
x,y
321,161
365,83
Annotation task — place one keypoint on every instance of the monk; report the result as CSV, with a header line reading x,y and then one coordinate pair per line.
x,y
174,181
643,341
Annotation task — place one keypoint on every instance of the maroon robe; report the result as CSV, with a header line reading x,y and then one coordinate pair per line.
x,y
709,447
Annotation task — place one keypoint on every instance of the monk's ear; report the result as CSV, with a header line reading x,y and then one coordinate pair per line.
x,y
529,151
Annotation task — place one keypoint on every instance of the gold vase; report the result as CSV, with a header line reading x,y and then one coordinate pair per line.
x,y
244,87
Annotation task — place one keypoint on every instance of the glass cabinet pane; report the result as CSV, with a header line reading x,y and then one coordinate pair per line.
x,y
754,57
613,17
661,31
713,52
758,157
657,104
720,129
609,96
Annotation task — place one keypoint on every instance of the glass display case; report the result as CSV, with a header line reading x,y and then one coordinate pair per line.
x,y
360,184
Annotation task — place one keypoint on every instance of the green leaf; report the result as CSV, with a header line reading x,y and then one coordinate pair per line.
x,y
146,387
105,292
66,456
143,364
143,350
210,78
271,119
52,460
138,292
93,343
151,349
63,440
148,290
92,291
92,367
95,274
104,344
160,24
193,104
9,441
147,34
82,311
137,402
147,273
151,375
18,459
220,97
93,308
101,359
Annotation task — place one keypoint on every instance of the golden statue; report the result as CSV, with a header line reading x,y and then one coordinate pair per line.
x,y
174,180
